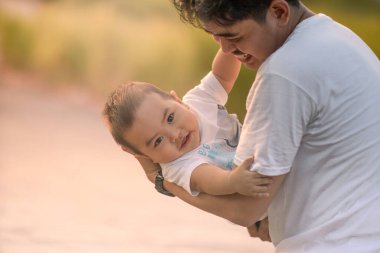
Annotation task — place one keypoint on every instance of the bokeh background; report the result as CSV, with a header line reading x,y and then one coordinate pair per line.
x,y
98,44
64,185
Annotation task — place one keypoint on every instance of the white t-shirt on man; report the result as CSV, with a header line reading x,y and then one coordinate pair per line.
x,y
313,112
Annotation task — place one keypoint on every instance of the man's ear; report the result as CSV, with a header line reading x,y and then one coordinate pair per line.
x,y
280,11
130,151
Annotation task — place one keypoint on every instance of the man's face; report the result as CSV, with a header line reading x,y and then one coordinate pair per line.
x,y
251,42
164,129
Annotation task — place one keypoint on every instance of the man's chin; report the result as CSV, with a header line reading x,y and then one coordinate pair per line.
x,y
251,67
254,65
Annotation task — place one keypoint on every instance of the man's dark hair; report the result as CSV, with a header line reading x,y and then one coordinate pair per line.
x,y
223,12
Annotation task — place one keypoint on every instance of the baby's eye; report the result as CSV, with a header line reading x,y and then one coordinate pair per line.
x,y
158,141
170,118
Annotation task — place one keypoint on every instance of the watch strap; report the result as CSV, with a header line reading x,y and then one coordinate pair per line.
x,y
159,184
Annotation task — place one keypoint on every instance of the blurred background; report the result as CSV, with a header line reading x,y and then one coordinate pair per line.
x,y
95,45
64,185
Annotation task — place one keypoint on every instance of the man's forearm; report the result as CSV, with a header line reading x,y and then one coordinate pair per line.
x,y
149,167
239,209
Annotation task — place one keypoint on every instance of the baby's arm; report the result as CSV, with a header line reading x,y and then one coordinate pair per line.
x,y
226,68
212,180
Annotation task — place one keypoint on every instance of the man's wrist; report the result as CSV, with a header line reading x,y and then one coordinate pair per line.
x,y
159,184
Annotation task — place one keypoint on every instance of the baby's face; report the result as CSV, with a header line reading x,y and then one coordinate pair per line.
x,y
163,129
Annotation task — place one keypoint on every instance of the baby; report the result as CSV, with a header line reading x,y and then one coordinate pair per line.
x,y
193,140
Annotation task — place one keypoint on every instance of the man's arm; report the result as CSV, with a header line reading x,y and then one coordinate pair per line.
x,y
239,209
150,168
226,69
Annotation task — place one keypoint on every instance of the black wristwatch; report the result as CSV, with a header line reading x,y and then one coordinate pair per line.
x,y
159,185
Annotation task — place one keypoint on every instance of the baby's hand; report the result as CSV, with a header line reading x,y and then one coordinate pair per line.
x,y
249,183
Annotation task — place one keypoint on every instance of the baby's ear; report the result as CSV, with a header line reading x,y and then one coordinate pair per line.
x,y
174,95
176,98
137,156
130,151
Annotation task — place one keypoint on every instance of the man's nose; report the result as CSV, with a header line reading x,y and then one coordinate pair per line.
x,y
226,46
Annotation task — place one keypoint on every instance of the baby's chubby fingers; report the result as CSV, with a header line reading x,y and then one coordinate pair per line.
x,y
262,181
259,188
260,195
247,163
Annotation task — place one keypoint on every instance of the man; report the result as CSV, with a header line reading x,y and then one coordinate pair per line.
x,y
313,123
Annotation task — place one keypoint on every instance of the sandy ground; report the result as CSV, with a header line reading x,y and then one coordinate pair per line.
x,y
66,187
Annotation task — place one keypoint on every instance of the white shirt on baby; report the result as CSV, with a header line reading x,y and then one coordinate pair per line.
x,y
219,133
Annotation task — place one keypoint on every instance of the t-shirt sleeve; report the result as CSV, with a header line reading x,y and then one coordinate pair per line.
x,y
278,112
210,90
179,171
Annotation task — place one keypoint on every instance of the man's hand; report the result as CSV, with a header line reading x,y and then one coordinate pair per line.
x,y
150,168
260,229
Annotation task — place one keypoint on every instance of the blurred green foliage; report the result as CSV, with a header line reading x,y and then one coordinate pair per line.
x,y
99,44
17,42
74,59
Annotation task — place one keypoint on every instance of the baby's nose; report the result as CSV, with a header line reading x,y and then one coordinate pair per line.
x,y
174,136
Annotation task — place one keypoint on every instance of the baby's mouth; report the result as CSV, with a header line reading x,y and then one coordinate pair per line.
x,y
185,140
